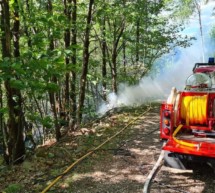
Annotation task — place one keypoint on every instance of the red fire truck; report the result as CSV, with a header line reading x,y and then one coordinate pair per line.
x,y
187,121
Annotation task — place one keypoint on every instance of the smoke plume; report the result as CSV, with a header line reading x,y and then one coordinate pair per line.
x,y
158,88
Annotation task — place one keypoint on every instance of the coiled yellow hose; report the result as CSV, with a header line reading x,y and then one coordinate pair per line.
x,y
193,109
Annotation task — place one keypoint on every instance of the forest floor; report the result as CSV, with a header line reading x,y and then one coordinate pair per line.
x,y
119,166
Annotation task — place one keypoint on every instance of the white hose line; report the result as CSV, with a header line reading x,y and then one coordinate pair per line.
x,y
153,172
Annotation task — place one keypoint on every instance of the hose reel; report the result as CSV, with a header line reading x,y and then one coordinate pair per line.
x,y
194,109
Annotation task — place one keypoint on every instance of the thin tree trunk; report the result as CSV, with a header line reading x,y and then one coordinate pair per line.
x,y
67,39
85,62
118,32
137,40
124,56
16,30
198,7
73,107
115,54
74,60
3,137
114,70
104,61
1,114
26,29
52,95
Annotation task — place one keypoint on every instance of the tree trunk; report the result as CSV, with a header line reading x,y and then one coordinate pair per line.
x,y
85,62
114,70
198,7
74,62
52,95
16,30
54,111
104,61
115,46
137,40
124,56
3,137
67,34
15,147
26,27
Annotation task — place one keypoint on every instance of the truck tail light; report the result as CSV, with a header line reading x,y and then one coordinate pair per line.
x,y
166,114
166,122
166,130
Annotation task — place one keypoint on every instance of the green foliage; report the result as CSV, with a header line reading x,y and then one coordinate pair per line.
x,y
13,188
41,68
184,9
157,34
47,122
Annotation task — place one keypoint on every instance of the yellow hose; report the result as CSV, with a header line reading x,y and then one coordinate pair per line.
x,y
193,109
182,142
91,152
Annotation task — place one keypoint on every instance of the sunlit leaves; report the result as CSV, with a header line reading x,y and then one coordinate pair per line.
x,y
33,71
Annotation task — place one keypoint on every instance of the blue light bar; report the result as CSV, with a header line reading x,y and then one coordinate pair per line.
x,y
211,60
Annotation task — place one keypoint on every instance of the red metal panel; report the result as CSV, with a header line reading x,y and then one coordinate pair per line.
x,y
205,149
204,69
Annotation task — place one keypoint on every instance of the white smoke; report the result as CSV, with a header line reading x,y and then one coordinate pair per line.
x,y
150,89
146,91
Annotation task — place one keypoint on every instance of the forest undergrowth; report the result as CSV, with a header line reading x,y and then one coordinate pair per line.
x,y
51,160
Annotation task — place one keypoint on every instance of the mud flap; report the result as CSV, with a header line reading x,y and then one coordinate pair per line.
x,y
175,161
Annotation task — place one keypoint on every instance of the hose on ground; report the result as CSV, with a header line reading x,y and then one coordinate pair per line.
x,y
92,151
153,172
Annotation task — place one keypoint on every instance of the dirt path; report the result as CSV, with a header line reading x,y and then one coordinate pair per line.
x,y
125,171
122,168
119,167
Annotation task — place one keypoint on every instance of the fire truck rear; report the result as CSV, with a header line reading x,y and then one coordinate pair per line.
x,y
188,120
